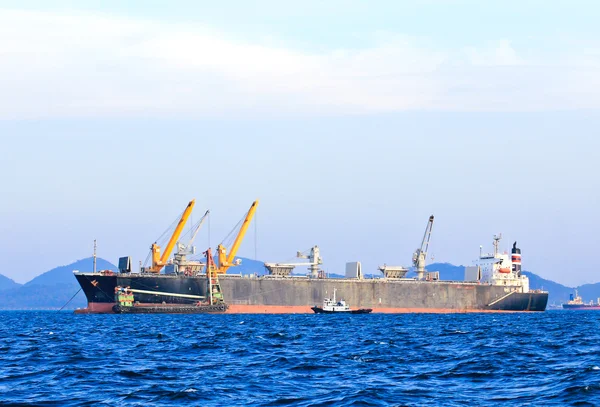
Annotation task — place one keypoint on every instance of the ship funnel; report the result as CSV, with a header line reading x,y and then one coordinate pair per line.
x,y
516,259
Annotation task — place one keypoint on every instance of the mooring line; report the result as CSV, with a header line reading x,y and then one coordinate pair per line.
x,y
70,300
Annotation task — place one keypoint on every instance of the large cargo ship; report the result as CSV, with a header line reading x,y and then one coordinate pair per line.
x,y
493,284
576,303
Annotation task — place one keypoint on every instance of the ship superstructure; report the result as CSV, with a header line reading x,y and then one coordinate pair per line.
x,y
500,269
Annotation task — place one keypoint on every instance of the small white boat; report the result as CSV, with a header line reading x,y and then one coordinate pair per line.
x,y
330,305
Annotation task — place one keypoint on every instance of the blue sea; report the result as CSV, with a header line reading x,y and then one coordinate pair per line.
x,y
62,359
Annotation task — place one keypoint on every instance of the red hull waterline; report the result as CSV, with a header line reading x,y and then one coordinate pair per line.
x,y
97,308
106,308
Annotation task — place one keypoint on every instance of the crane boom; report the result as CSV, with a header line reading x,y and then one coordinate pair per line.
x,y
242,233
177,232
225,261
420,255
158,261
189,249
191,242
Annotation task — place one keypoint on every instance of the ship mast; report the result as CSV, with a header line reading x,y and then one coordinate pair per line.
x,y
94,255
497,239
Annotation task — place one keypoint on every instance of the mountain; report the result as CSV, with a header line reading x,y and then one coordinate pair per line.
x,y
558,293
248,266
589,292
7,283
64,274
52,289
448,271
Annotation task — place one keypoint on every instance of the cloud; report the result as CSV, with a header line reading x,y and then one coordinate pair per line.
x,y
499,54
78,65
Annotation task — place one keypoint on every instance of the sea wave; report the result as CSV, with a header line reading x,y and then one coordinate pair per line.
x,y
58,358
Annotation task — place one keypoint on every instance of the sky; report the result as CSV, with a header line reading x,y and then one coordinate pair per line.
x,y
350,121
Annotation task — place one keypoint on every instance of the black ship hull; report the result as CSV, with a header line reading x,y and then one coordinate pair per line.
x,y
298,295
99,289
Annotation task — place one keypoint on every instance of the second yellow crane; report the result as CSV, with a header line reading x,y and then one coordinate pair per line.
x,y
225,261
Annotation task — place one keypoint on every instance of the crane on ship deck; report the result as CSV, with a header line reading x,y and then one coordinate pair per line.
x,y
181,264
420,255
225,261
158,260
313,255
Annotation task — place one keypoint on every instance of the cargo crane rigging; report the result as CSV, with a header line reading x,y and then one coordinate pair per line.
x,y
158,260
180,259
420,255
285,269
189,248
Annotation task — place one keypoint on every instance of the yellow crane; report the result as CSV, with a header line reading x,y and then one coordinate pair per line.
x,y
213,270
158,261
225,261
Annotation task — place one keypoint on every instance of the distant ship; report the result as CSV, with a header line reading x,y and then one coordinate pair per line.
x,y
576,303
494,284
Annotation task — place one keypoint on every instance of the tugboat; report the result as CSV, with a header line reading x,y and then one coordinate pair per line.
x,y
331,306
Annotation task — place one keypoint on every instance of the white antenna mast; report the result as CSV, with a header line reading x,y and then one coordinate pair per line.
x,y
497,239
94,255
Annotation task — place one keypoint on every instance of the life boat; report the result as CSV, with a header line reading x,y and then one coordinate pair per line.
x,y
504,270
